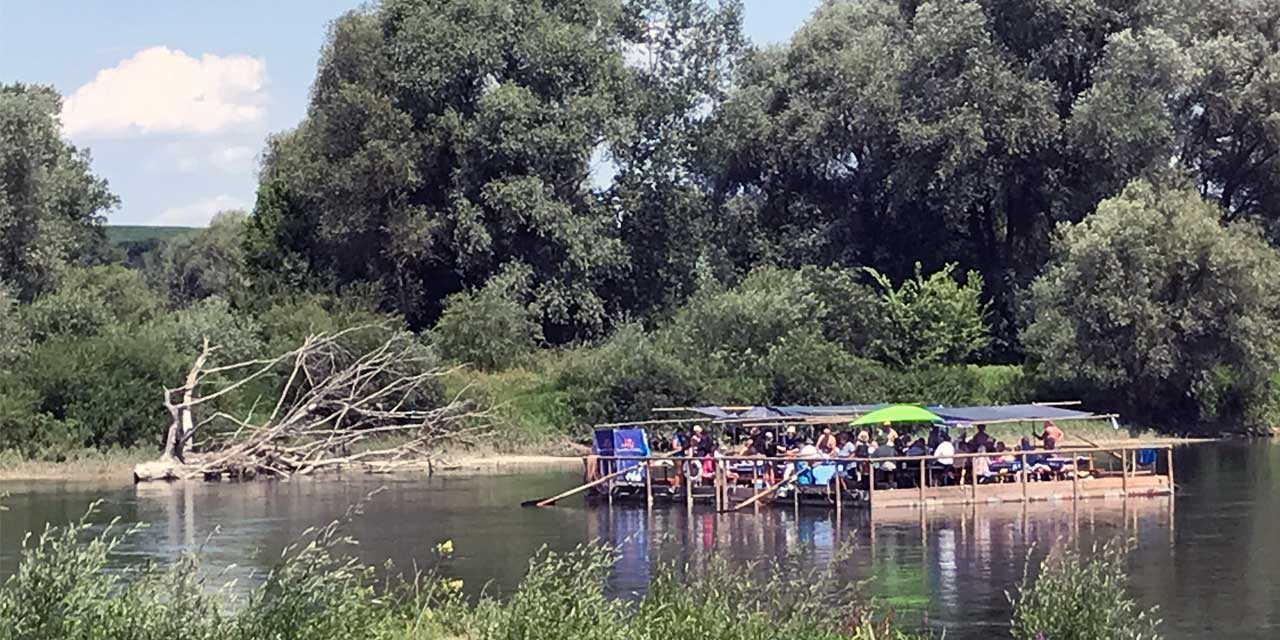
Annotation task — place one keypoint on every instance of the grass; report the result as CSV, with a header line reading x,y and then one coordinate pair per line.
x,y
530,408
79,464
117,234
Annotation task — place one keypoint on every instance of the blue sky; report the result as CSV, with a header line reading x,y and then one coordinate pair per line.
x,y
175,99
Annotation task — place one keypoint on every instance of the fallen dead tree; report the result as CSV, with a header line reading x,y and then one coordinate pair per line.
x,y
332,406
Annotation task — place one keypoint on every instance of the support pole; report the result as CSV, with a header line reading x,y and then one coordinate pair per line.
x,y
1075,480
608,487
688,487
1169,463
648,483
871,485
839,498
755,485
1124,473
923,464
1023,474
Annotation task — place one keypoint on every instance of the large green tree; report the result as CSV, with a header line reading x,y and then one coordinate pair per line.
x,y
445,141
51,204
1153,306
680,59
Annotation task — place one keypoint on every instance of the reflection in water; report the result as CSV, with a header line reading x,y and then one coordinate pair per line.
x,y
1212,574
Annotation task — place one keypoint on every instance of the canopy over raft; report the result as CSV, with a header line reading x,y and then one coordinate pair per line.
x,y
953,416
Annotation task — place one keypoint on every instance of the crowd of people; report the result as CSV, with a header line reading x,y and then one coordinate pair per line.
x,y
856,453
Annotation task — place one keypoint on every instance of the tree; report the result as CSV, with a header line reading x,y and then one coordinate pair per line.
x,y
445,141
929,320
89,301
50,203
1161,309
681,55
204,263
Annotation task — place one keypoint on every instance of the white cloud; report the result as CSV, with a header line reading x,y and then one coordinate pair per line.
x,y
197,214
161,90
232,158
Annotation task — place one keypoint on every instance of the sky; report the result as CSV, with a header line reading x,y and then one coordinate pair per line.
x,y
176,99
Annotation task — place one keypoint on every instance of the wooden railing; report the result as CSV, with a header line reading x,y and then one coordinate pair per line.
x,y
1127,453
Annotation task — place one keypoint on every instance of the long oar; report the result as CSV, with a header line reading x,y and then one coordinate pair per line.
x,y
598,481
760,496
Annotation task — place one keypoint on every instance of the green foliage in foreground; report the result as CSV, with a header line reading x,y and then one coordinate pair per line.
x,y
62,591
1079,597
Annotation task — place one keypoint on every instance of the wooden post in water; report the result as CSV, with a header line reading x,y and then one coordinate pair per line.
x,y
1169,462
871,485
1124,473
648,484
688,486
839,498
715,484
755,485
1024,477
973,472
922,482
608,486
1075,480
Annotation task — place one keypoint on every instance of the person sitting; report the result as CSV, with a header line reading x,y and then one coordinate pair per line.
x,y
917,448
887,467
845,446
791,442
944,456
981,439
826,442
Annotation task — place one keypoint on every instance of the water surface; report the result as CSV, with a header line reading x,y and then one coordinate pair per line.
x,y
1209,558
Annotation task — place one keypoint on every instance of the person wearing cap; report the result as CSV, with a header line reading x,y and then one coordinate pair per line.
x,y
890,436
827,441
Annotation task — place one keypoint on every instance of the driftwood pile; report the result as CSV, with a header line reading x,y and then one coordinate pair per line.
x,y
332,406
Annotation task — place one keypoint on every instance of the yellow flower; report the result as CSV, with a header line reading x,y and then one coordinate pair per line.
x,y
445,548
454,585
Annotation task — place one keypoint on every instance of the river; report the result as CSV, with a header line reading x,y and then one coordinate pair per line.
x,y
1209,558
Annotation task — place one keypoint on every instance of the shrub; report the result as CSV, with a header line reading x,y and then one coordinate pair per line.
x,y
105,388
929,320
89,300
490,328
1079,598
626,377
805,368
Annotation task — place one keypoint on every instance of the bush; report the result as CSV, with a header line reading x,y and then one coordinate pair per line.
x,y
626,377
89,300
931,320
106,388
805,368
491,328
1078,598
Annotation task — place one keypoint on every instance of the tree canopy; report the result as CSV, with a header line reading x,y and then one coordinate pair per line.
x,y
1154,306
51,204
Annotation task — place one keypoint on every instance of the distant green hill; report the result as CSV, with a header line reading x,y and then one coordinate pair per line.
x,y
117,234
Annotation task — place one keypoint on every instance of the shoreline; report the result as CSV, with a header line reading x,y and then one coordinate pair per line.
x,y
119,467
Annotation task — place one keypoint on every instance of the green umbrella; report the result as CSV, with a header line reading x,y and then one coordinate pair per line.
x,y
898,413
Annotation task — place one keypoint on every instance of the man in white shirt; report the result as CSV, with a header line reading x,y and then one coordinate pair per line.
x,y
944,451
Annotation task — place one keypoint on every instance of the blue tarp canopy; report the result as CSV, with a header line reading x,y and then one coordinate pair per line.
x,y
952,415
1029,412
